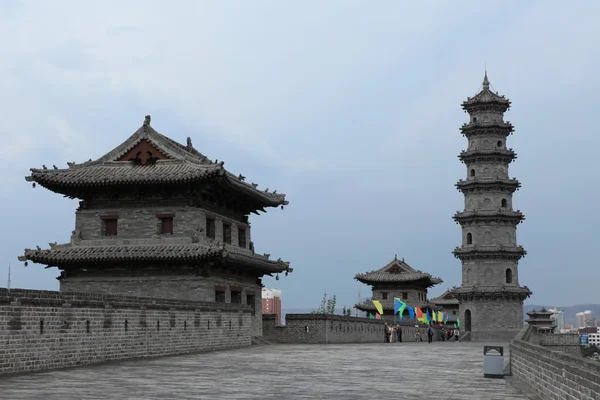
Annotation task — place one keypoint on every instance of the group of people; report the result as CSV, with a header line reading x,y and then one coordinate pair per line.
x,y
446,334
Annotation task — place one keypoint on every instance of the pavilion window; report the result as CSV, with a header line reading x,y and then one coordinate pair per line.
x,y
166,226
242,237
219,296
384,296
109,224
404,296
227,233
236,296
504,203
472,172
211,227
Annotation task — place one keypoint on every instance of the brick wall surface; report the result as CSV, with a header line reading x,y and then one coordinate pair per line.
x,y
554,375
42,330
324,329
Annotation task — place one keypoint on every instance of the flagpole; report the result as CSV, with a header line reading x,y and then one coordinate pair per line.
x,y
8,277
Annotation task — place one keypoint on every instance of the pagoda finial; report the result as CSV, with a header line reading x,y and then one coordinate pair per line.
x,y
395,256
486,82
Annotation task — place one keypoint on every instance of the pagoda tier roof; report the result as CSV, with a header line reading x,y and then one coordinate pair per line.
x,y
468,156
388,305
68,255
502,128
474,292
477,252
486,96
489,215
148,158
511,184
445,299
397,271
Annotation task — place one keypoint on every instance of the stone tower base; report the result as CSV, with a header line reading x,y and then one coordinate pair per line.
x,y
491,320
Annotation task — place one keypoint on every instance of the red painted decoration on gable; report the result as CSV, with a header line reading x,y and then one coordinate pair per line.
x,y
143,153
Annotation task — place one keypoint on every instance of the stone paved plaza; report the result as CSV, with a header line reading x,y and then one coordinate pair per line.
x,y
440,370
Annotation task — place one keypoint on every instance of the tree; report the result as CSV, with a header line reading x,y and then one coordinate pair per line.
x,y
327,305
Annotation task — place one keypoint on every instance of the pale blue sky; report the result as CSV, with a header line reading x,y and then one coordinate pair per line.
x,y
352,108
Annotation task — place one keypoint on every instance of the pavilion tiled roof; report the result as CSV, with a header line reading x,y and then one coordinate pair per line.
x,y
65,255
447,298
397,271
177,164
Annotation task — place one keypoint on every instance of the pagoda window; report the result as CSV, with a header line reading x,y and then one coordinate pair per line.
x,y
504,203
251,301
509,275
227,233
469,238
242,237
499,144
384,296
109,225
404,296
211,227
472,172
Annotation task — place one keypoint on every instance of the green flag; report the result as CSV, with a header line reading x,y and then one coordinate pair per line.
x,y
458,321
371,316
454,326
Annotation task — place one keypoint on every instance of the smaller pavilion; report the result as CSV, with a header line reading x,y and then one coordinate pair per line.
x,y
449,304
397,279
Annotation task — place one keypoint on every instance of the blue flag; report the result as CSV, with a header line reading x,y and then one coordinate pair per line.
x,y
411,312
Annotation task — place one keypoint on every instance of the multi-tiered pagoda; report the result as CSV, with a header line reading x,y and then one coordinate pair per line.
x,y
490,297
397,279
159,219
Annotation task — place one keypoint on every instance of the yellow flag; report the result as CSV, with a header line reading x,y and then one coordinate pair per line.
x,y
434,316
440,316
378,306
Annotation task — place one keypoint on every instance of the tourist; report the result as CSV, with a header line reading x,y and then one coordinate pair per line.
x,y
389,333
399,333
430,334
456,332
418,334
443,334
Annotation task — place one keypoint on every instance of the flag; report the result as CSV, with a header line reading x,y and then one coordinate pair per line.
x,y
434,316
440,316
458,321
377,316
411,312
371,316
454,326
419,312
378,306
400,317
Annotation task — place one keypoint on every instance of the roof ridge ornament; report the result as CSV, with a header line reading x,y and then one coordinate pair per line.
x,y
486,82
146,125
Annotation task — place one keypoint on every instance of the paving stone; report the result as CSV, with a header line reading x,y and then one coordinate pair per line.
x,y
441,370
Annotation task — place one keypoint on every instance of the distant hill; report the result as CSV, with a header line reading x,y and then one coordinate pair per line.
x,y
569,312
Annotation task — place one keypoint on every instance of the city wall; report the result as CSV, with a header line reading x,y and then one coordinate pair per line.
x,y
330,329
552,366
43,330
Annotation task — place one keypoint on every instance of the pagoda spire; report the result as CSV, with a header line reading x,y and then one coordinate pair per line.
x,y
486,82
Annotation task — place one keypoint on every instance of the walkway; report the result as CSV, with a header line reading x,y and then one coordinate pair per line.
x,y
440,370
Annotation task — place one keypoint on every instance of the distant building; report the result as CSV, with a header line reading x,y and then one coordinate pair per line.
x,y
584,319
593,335
559,319
271,302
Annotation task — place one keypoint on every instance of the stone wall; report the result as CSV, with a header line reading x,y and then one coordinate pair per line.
x,y
178,287
326,329
42,330
553,374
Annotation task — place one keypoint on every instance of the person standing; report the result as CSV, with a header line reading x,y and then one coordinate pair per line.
x,y
399,333
430,334
443,334
456,332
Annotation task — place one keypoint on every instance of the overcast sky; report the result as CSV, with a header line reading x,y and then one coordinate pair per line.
x,y
351,108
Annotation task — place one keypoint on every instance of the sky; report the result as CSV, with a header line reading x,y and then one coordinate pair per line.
x,y
351,108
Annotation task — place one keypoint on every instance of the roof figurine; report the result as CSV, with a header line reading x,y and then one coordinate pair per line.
x,y
150,158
